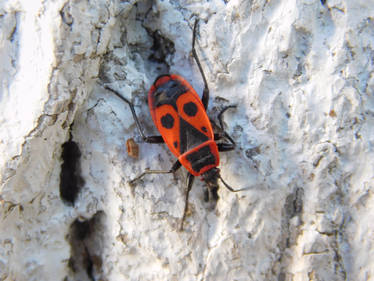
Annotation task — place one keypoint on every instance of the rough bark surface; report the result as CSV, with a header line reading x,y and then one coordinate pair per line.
x,y
301,73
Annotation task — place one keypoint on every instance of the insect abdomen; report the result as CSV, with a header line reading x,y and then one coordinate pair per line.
x,y
201,158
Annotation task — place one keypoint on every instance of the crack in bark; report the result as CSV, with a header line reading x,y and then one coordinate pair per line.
x,y
293,206
86,242
71,180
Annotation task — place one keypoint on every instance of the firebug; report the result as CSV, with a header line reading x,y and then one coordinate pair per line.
x,y
180,116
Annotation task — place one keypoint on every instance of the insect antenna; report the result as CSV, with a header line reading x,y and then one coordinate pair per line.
x,y
229,187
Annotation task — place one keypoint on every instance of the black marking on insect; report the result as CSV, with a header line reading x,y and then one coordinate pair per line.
x,y
167,121
169,93
190,108
200,158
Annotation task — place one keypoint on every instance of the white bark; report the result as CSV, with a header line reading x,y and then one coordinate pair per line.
x,y
301,74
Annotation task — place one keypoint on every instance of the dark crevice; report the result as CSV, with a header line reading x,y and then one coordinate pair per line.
x,y
71,181
293,207
66,16
161,48
86,242
294,203
13,35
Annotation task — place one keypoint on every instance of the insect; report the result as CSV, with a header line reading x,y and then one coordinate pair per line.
x,y
180,117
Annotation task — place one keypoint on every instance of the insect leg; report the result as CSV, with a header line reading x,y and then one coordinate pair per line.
x,y
220,115
223,147
205,97
206,195
149,139
220,119
173,169
211,192
153,139
229,187
190,180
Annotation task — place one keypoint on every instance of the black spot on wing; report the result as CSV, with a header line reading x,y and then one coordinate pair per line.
x,y
175,144
167,121
190,108
204,129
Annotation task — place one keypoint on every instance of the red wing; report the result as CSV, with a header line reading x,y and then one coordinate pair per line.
x,y
191,109
168,123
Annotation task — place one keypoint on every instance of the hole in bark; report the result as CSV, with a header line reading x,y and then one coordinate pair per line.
x,y
70,178
86,241
161,47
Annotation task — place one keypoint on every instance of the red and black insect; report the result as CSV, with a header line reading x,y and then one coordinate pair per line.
x,y
180,117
